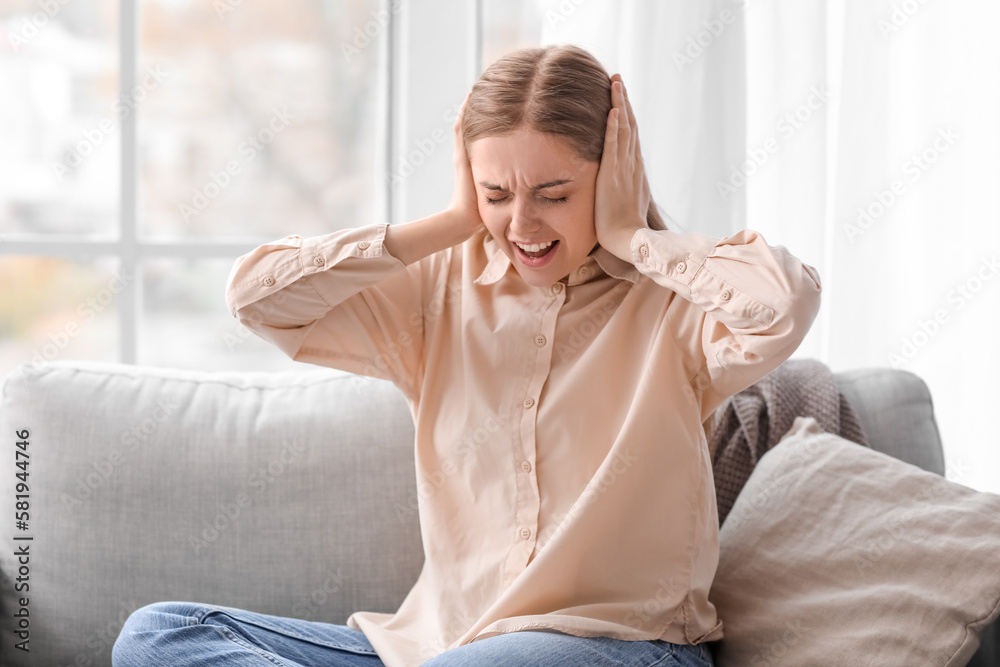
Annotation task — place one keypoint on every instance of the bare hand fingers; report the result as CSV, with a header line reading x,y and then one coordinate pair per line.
x,y
628,106
611,140
618,102
633,125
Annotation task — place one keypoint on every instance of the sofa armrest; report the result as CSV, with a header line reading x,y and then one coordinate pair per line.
x,y
896,413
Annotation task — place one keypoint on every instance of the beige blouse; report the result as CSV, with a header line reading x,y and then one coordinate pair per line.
x,y
564,477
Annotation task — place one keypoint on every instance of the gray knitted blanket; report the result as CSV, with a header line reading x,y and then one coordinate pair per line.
x,y
753,420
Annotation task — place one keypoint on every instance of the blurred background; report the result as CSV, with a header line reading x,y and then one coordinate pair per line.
x,y
146,144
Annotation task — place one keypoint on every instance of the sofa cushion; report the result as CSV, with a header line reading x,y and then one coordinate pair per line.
x,y
286,493
837,554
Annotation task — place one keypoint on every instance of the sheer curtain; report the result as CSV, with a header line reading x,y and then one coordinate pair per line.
x,y
860,134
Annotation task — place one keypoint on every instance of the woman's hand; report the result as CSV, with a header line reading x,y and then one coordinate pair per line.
x,y
622,193
464,205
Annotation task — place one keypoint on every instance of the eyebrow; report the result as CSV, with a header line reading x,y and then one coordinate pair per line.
x,y
541,186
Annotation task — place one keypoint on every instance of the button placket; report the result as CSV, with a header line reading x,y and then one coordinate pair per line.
x,y
527,499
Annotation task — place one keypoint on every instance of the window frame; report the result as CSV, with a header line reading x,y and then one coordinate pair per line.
x,y
417,53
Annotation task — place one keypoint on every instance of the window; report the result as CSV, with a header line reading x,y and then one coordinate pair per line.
x,y
148,144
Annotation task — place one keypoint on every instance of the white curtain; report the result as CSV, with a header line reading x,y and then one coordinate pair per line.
x,y
860,134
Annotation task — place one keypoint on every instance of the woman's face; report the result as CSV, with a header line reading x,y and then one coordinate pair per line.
x,y
534,189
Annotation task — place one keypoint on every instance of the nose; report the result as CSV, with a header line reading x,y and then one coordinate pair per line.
x,y
525,217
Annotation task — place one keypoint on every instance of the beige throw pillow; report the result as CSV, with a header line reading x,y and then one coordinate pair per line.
x,y
836,554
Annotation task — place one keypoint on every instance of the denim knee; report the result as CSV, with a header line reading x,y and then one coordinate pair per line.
x,y
139,630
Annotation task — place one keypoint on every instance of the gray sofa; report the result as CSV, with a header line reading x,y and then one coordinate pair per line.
x,y
285,493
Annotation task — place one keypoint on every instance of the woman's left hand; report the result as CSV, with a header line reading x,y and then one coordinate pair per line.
x,y
622,193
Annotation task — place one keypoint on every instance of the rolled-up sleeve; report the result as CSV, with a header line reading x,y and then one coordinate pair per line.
x,y
339,300
746,305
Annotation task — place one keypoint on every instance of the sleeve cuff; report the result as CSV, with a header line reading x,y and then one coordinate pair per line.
x,y
319,252
670,256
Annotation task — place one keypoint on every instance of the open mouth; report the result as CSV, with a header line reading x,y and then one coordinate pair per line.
x,y
536,254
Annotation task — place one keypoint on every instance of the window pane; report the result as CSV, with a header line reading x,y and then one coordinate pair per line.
x,y
266,125
185,322
59,117
55,308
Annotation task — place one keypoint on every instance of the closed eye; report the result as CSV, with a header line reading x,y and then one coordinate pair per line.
x,y
494,202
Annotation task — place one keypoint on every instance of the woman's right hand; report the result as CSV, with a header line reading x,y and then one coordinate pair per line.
x,y
464,205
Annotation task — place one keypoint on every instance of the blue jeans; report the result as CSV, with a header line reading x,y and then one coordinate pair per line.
x,y
181,634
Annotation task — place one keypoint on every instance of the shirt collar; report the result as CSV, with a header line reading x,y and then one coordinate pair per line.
x,y
599,262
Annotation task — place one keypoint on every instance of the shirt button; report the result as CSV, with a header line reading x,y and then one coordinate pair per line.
x,y
528,402
726,295
525,533
540,340
681,267
526,466
267,281
318,261
644,250
363,244
584,271
558,287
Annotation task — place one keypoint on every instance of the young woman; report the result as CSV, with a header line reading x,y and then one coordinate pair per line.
x,y
560,349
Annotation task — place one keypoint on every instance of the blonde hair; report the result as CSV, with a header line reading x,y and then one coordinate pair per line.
x,y
560,89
